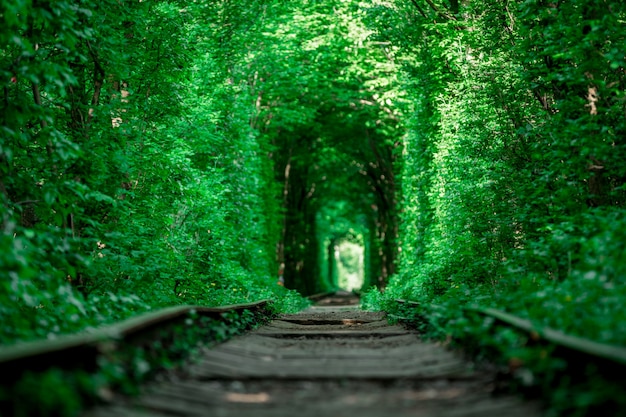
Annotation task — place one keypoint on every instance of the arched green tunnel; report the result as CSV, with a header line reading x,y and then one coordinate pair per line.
x,y
346,200
327,102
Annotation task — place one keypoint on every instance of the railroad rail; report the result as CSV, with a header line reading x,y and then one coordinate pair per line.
x,y
154,336
82,349
589,376
537,332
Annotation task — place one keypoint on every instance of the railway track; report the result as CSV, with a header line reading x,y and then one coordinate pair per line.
x,y
329,359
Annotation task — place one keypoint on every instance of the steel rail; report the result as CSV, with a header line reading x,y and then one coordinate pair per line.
x,y
82,349
601,350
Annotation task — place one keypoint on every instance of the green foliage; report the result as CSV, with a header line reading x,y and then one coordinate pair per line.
x,y
512,172
52,393
131,176
339,227
512,175
161,153
328,102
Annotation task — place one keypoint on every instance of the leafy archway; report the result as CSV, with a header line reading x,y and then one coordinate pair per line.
x,y
327,102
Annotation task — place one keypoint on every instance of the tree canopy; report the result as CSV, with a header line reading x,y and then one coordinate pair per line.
x,y
159,153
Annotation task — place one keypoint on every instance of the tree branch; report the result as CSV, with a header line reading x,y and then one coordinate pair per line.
x,y
439,12
98,81
26,202
419,9
42,121
98,76
543,99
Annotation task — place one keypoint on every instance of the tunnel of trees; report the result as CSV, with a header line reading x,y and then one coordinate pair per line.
x,y
202,152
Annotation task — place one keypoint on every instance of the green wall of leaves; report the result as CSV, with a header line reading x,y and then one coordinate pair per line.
x,y
131,176
513,171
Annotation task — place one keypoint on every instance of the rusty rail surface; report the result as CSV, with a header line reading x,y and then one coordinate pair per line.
x,y
80,351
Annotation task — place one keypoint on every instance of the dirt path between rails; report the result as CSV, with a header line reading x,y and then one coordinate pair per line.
x,y
329,360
